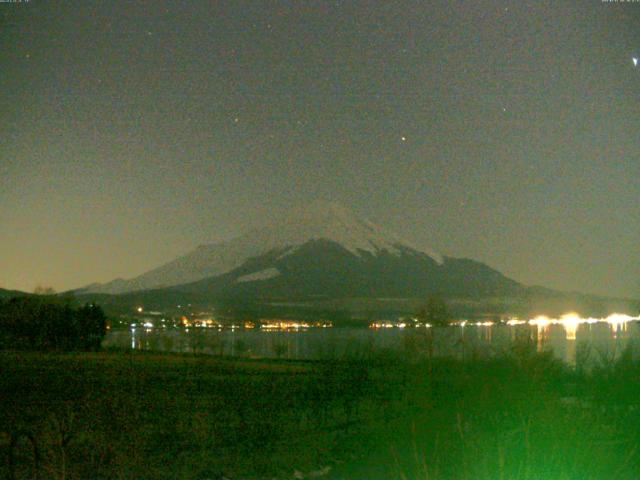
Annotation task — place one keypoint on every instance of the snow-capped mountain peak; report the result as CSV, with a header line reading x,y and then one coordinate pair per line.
x,y
318,221
332,221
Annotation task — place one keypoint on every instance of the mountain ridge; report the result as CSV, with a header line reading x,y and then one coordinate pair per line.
x,y
320,220
324,267
324,258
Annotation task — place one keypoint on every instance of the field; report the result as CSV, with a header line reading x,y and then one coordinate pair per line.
x,y
124,415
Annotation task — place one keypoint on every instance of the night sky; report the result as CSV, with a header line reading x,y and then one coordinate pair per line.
x,y
507,132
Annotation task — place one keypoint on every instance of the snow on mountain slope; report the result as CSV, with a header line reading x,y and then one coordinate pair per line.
x,y
265,274
331,221
327,221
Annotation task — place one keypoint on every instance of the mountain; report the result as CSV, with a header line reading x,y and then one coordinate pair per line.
x,y
4,294
327,221
323,268
323,250
323,259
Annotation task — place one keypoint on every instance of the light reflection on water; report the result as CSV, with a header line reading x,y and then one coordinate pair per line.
x,y
562,336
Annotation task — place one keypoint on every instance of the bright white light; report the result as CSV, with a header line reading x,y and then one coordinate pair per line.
x,y
617,318
139,309
635,61
515,321
540,321
570,322
571,318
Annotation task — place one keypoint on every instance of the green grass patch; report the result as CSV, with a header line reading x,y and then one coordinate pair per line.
x,y
522,415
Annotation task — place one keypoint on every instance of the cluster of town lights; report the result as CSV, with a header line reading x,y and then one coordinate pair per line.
x,y
573,319
569,321
386,324
247,325
292,325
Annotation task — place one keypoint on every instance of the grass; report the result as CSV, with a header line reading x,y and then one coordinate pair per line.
x,y
521,415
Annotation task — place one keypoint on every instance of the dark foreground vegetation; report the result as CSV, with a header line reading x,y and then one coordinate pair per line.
x,y
522,415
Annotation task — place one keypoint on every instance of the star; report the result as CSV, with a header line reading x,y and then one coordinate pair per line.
x,y
404,139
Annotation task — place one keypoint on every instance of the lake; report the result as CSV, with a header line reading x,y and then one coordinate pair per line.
x,y
570,340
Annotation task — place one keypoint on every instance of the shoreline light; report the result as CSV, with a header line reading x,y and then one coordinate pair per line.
x,y
515,321
540,321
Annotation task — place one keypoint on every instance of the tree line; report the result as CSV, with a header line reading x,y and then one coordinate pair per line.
x,y
45,322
